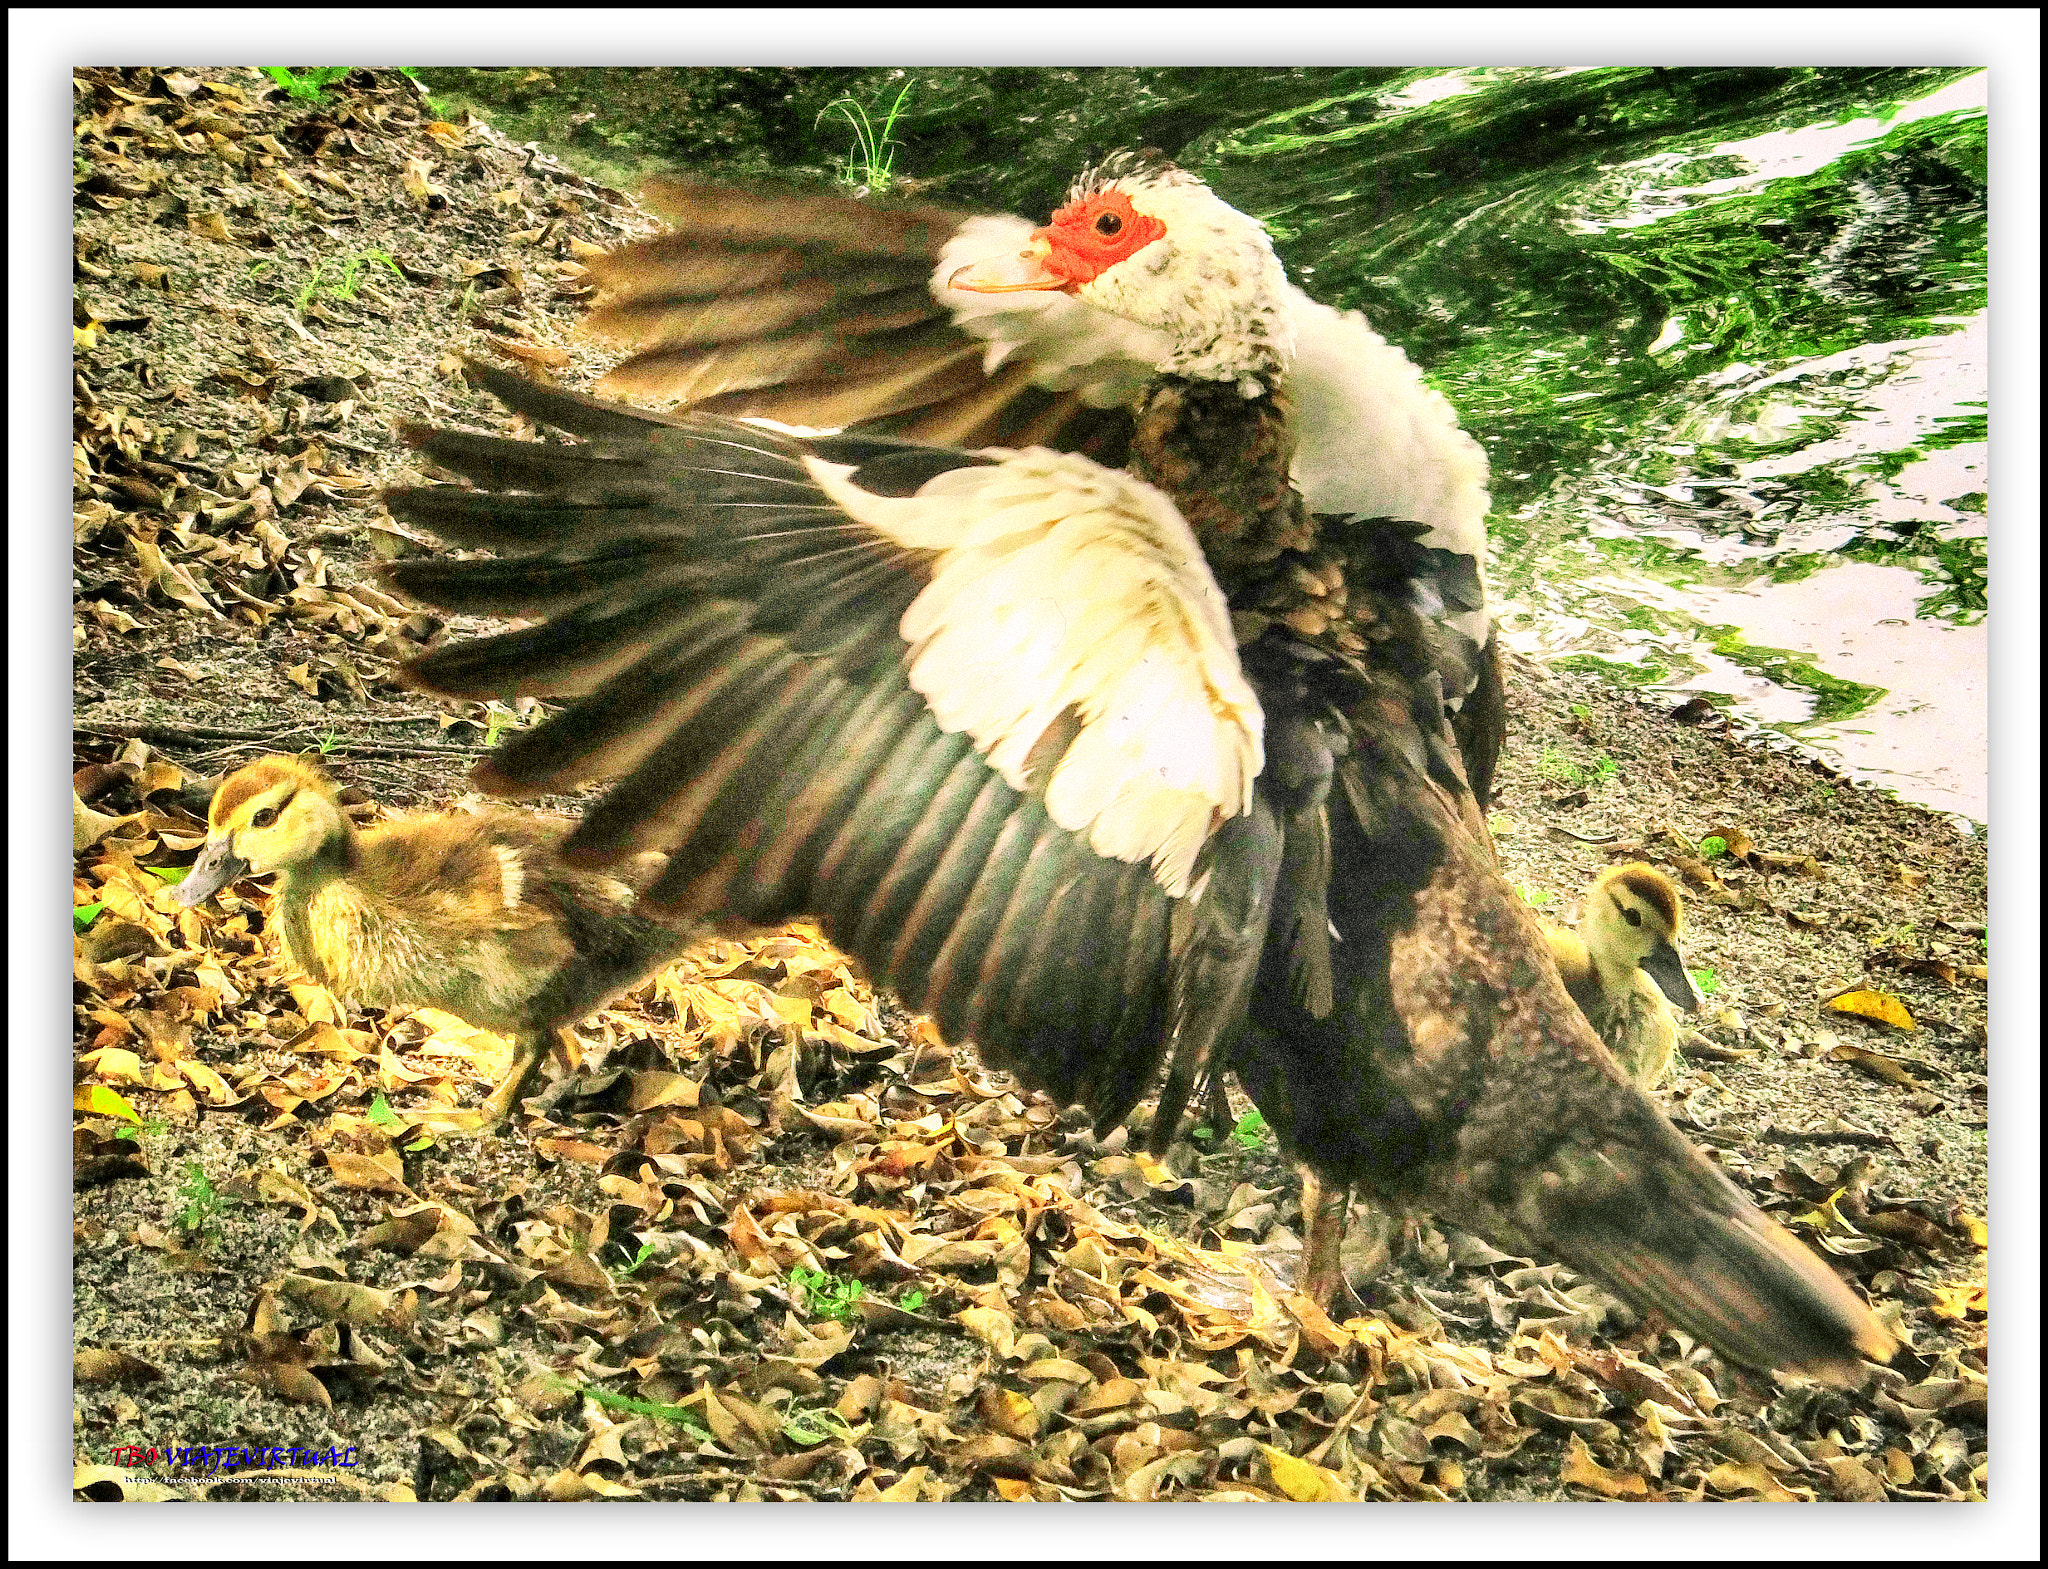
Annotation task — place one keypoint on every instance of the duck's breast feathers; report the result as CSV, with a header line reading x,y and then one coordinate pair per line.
x,y
1057,614
1374,438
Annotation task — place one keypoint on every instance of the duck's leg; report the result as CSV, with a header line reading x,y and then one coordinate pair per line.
x,y
529,1047
1326,1217
1323,1211
1221,1118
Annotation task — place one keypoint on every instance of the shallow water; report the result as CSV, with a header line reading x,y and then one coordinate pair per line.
x,y
1730,366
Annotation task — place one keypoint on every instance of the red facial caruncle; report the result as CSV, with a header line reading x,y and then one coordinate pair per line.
x,y
1092,235
1084,240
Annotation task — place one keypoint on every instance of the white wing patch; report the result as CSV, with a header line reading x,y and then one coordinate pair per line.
x,y
1376,439
1068,345
1060,584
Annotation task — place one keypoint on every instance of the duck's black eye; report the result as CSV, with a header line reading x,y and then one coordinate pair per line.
x,y
1633,917
268,815
1109,223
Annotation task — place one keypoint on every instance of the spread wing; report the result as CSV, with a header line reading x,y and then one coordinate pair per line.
x,y
980,714
827,312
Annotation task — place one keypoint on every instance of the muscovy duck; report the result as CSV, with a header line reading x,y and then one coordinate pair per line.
x,y
1624,968
1146,739
471,912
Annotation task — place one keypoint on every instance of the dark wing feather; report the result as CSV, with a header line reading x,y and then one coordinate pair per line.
x,y
735,639
819,311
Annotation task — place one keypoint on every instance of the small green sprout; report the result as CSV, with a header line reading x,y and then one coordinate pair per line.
x,y
308,290
352,274
623,1270
911,1301
827,1295
1706,980
82,916
1712,846
1605,770
202,1203
1534,898
1251,1130
500,719
807,1425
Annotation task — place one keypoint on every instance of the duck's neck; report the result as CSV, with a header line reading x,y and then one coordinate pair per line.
x,y
336,858
1225,459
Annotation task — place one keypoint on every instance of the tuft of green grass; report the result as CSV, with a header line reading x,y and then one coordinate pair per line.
x,y
1559,769
351,280
870,164
150,1128
1706,980
1534,898
308,86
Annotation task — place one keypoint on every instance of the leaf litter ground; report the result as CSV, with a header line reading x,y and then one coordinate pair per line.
x,y
770,1237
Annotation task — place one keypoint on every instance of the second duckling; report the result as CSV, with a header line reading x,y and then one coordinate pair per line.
x,y
1624,969
475,913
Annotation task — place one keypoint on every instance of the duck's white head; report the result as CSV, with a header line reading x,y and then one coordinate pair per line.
x,y
1634,920
1144,240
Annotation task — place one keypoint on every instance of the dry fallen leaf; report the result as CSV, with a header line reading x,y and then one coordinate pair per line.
x,y
1581,1469
1881,1006
1303,1482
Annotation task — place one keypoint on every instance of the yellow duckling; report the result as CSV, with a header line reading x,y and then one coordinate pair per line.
x,y
1624,970
475,913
